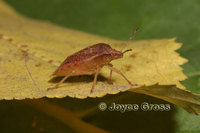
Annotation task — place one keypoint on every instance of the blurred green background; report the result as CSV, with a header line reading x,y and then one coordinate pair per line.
x,y
116,19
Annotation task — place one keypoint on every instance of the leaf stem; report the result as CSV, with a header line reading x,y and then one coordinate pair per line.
x,y
67,117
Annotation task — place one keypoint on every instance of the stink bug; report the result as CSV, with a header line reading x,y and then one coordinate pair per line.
x,y
90,61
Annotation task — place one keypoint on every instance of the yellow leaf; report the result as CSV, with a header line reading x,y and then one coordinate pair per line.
x,y
32,50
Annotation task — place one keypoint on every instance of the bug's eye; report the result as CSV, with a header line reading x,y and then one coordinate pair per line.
x,y
107,57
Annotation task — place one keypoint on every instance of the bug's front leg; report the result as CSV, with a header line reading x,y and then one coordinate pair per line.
x,y
95,79
57,85
110,77
117,71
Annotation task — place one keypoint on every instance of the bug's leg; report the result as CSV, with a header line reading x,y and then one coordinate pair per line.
x,y
109,79
95,79
117,71
58,83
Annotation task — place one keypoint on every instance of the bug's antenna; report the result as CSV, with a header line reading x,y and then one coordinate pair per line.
x,y
127,50
130,38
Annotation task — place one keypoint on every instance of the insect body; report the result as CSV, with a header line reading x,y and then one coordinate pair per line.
x,y
90,61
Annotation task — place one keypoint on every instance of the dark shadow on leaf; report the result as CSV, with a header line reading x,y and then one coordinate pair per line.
x,y
81,78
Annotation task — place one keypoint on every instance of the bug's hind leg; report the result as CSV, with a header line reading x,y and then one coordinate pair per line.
x,y
57,85
117,71
95,79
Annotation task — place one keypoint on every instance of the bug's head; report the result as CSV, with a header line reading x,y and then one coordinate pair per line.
x,y
118,54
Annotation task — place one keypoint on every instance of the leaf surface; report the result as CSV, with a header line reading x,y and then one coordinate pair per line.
x,y
32,50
